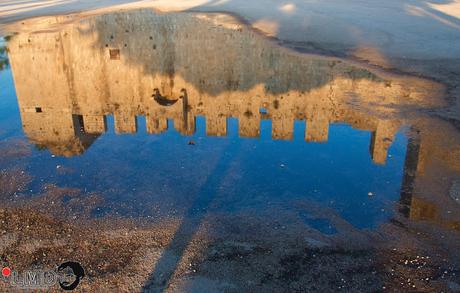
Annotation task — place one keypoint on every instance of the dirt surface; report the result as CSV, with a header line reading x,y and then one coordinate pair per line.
x,y
124,256
218,253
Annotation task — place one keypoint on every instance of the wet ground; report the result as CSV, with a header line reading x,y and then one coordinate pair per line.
x,y
186,152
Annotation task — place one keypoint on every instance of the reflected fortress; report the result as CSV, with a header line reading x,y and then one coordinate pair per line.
x,y
180,66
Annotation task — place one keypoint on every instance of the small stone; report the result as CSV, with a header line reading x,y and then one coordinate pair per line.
x,y
454,191
453,286
313,243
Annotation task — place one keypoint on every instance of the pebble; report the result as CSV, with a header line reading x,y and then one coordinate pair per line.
x,y
454,286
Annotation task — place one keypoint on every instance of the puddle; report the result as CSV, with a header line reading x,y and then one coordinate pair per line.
x,y
191,117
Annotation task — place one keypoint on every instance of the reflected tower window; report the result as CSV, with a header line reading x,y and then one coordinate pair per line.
x,y
114,54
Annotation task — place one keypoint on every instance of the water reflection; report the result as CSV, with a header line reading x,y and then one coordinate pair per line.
x,y
209,76
176,67
3,59
180,66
